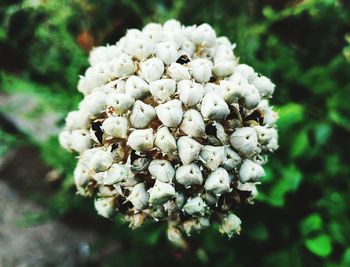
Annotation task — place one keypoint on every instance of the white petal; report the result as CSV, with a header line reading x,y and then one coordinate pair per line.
x,y
214,107
190,93
162,170
115,126
193,124
218,182
140,140
151,69
163,89
141,114
165,140
136,87
170,113
188,175
188,149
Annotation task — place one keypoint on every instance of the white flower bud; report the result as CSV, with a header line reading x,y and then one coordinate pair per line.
x,y
136,87
224,68
141,114
140,140
193,124
190,93
167,52
133,34
251,97
246,71
77,120
96,76
173,32
165,141
231,225
103,54
188,149
214,88
170,113
233,91
223,40
161,193
195,206
151,69
94,103
188,175
87,155
171,25
80,140
272,145
204,35
116,86
214,107
140,48
152,27
122,66
64,139
232,159
153,32
139,196
264,86
250,171
162,170
83,85
105,206
115,127
245,141
101,161
270,116
212,156
163,90
264,134
218,182
81,175
188,47
120,103
178,72
224,53
115,174
201,69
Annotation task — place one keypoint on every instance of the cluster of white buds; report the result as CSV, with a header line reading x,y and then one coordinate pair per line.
x,y
172,127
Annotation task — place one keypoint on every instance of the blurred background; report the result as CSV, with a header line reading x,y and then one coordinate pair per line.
x,y
302,215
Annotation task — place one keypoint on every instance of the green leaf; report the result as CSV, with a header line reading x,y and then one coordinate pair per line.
x,y
322,133
289,181
320,245
311,224
346,257
289,115
300,144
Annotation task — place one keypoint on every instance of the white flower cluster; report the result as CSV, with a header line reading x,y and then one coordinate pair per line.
x,y
171,127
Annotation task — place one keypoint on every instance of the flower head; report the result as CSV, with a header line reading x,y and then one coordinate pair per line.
x,y
172,127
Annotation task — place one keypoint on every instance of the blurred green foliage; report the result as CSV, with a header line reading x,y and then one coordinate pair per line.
x,y
301,217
